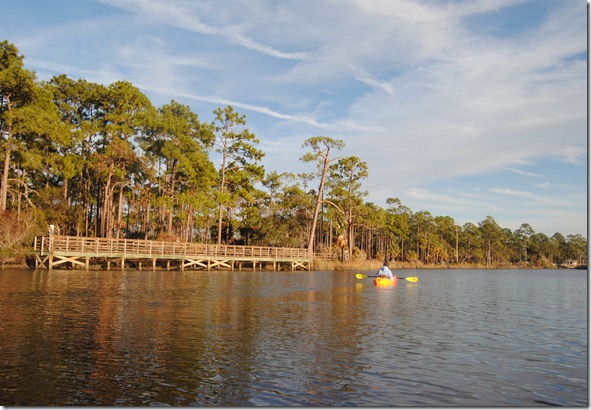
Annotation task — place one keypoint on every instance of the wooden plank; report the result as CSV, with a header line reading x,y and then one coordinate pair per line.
x,y
113,248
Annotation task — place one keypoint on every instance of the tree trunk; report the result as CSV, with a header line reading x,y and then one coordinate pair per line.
x,y
65,192
318,203
9,132
172,189
119,213
221,207
4,187
147,221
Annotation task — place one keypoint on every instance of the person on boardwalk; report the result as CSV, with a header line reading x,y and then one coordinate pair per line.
x,y
385,272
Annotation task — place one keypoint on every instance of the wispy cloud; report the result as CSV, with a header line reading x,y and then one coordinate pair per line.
x,y
262,110
511,192
560,186
187,16
573,154
521,172
536,199
446,201
428,93
372,82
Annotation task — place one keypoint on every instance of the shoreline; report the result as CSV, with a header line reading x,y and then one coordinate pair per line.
x,y
335,265
396,265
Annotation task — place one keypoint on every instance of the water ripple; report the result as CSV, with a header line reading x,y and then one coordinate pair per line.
x,y
456,338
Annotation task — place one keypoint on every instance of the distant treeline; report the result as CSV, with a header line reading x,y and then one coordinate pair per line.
x,y
96,160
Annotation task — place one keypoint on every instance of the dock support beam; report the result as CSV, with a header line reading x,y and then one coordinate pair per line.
x,y
53,250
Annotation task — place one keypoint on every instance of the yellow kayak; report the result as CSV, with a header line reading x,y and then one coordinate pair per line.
x,y
385,281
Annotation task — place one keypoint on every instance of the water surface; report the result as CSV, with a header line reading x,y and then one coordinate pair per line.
x,y
454,338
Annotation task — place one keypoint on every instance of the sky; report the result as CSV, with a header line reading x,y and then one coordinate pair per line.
x,y
465,109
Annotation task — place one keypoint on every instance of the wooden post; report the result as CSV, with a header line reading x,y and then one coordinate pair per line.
x,y
111,251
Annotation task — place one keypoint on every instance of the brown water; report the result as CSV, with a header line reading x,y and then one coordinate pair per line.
x,y
454,338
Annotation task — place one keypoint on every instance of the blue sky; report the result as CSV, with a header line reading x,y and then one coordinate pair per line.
x,y
462,108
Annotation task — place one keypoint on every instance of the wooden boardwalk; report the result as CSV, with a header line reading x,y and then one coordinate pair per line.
x,y
54,250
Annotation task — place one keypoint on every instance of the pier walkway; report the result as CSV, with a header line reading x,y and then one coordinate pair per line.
x,y
54,250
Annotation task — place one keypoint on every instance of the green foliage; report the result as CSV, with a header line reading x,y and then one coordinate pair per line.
x,y
99,160
321,147
18,94
240,168
345,178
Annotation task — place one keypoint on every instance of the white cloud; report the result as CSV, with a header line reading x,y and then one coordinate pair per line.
x,y
453,200
573,154
508,191
561,186
414,90
372,82
188,16
520,172
536,200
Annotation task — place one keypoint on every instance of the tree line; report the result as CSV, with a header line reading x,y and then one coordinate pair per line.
x,y
96,160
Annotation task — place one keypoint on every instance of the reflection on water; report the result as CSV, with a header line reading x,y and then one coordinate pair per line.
x,y
455,338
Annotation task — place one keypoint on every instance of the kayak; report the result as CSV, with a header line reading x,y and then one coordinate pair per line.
x,y
385,281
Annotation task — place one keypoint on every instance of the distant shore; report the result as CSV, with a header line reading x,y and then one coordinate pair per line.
x,y
395,265
364,265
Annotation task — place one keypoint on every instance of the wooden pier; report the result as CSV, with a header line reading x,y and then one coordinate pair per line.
x,y
55,250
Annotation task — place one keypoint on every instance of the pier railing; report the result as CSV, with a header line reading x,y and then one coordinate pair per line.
x,y
72,248
132,248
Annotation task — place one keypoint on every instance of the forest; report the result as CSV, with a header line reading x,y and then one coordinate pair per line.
x,y
101,160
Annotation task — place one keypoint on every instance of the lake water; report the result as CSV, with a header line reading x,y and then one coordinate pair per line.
x,y
454,338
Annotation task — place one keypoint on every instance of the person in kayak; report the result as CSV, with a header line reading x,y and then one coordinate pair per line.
x,y
385,272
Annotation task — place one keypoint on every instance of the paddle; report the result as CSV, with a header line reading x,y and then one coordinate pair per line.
x,y
410,279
